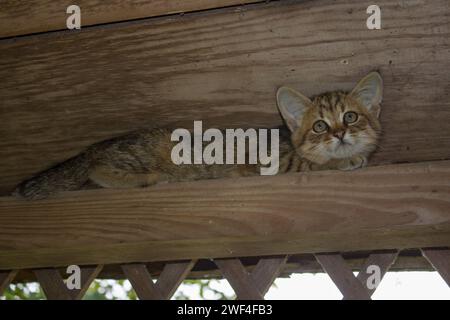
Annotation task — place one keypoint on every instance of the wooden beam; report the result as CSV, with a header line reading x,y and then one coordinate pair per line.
x,y
385,207
57,97
383,261
32,16
52,284
172,276
88,275
239,279
356,288
166,285
251,285
141,281
408,260
5,279
265,273
342,276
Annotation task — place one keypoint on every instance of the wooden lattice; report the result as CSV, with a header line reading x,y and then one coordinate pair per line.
x,y
248,285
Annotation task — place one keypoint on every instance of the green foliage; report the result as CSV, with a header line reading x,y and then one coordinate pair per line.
x,y
204,289
23,291
118,289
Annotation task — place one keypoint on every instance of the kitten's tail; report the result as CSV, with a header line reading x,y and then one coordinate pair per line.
x,y
68,175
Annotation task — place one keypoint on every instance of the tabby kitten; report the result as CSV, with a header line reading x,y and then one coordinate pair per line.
x,y
334,130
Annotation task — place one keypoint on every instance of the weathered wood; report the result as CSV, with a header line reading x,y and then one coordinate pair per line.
x,y
351,288
32,16
383,260
172,276
440,260
52,284
166,285
142,281
265,273
61,92
5,279
342,274
251,285
239,279
88,274
407,260
385,207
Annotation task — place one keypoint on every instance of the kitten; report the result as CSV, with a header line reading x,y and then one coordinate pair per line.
x,y
334,130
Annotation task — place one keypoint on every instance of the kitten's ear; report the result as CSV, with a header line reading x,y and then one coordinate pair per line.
x,y
369,92
292,106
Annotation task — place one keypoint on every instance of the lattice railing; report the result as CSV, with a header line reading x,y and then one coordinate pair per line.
x,y
248,285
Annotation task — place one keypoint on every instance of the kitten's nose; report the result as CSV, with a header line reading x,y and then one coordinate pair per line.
x,y
339,134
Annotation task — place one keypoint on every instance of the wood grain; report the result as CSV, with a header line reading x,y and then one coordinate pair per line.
x,y
52,284
407,260
265,273
62,92
19,17
355,288
385,207
170,278
383,261
342,276
251,285
88,275
239,279
141,281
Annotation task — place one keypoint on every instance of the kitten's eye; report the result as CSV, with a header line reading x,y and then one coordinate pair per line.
x,y
350,117
320,126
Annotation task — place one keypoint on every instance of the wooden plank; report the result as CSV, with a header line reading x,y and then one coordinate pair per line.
x,y
5,279
341,273
254,285
222,68
166,285
32,16
265,273
239,279
342,276
383,261
142,282
52,284
440,260
172,276
385,207
300,263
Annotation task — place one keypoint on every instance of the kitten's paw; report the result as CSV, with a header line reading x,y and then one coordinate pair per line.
x,y
352,163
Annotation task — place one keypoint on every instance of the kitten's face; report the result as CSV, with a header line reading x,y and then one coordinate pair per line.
x,y
334,125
